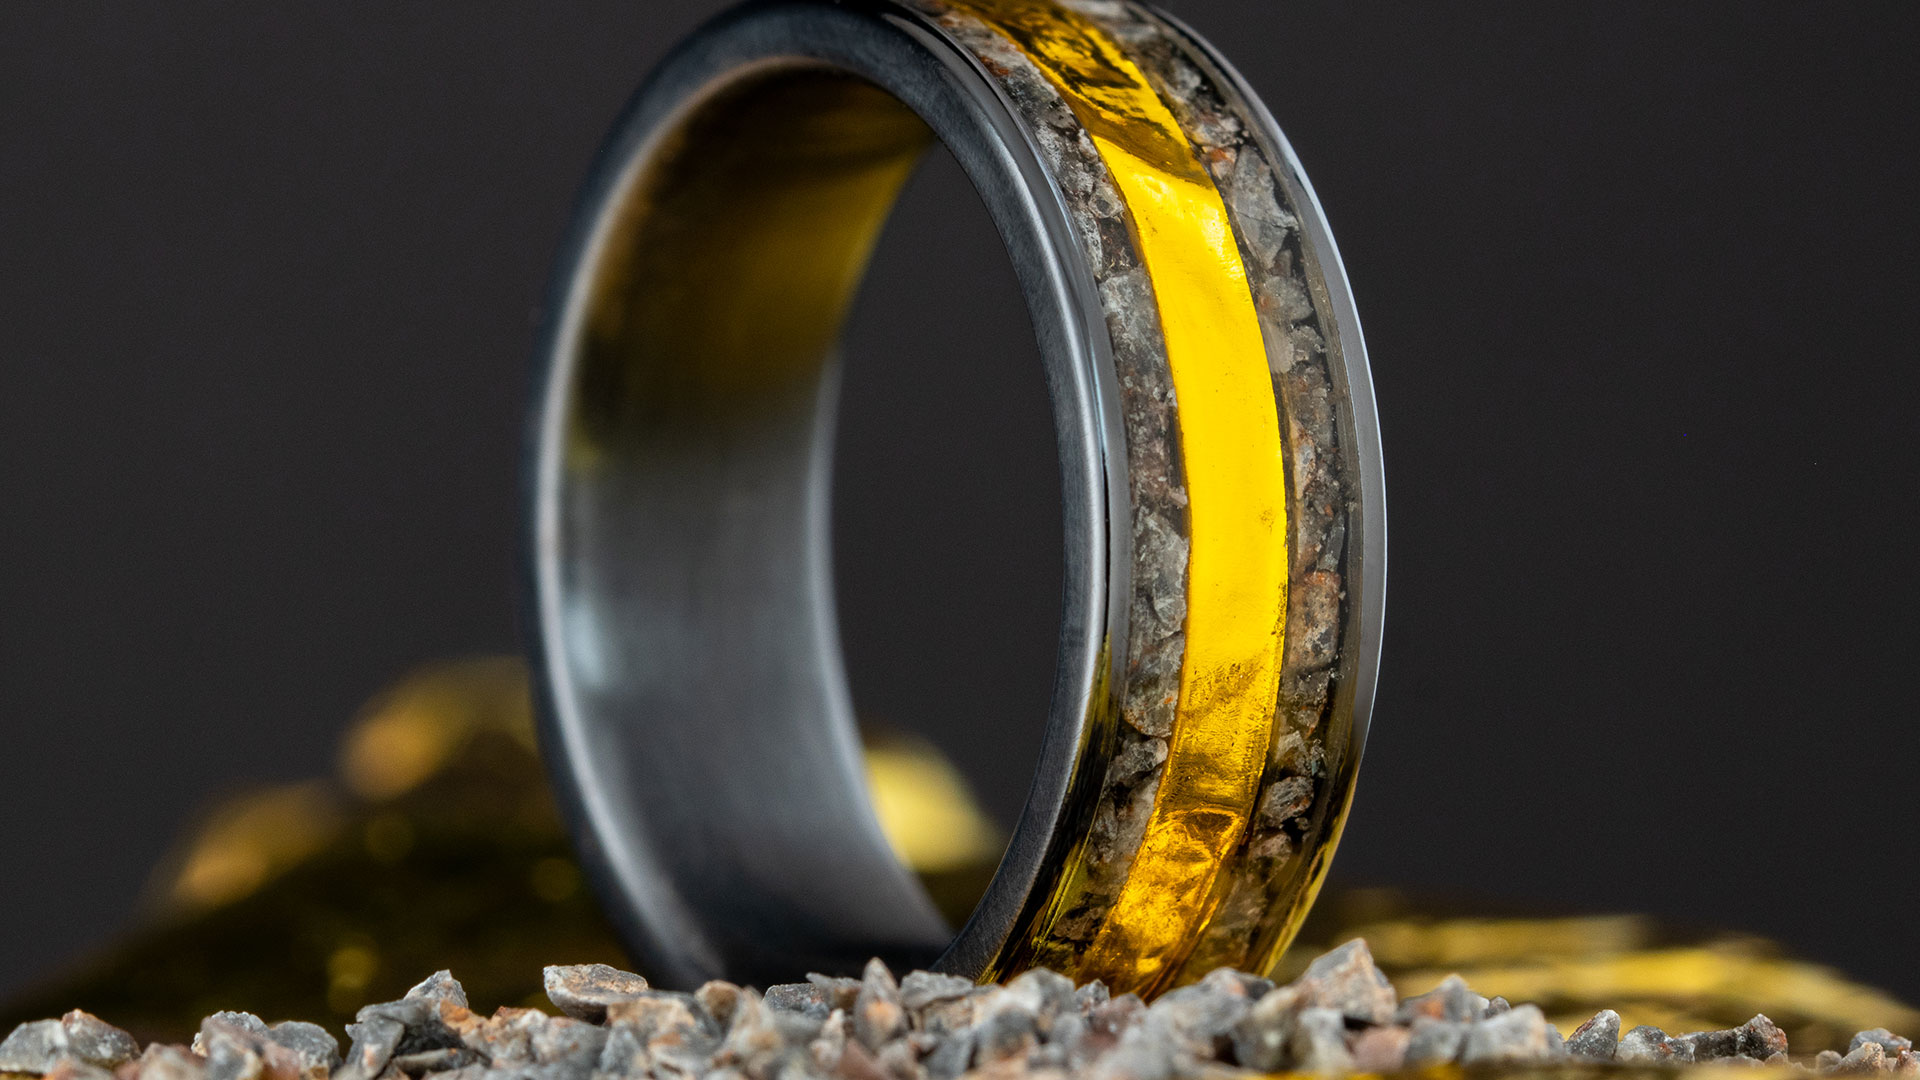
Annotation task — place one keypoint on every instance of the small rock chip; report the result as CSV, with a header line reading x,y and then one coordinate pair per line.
x,y
1381,1049
1762,1038
1867,1057
1648,1045
583,991
1596,1039
719,998
922,988
312,1045
1435,1042
1521,1034
1758,1039
1201,1017
1495,1006
1319,1042
877,1016
840,991
38,1046
1451,1000
1889,1042
1260,1038
440,986
162,1062
801,999
1347,980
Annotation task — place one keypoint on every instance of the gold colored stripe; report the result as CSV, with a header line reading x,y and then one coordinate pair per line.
x,y
1236,487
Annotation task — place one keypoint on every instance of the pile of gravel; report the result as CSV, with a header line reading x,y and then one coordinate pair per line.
x,y
1341,1016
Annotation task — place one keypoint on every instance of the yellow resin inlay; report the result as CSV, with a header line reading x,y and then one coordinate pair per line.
x,y
1236,487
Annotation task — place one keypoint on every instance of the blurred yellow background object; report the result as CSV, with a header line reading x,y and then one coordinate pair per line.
x,y
438,847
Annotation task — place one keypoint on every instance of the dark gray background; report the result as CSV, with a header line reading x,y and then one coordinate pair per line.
x,y
1638,285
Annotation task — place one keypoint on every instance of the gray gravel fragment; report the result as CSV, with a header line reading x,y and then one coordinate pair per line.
x,y
1648,1045
1381,1049
1347,980
38,1046
1260,1038
1319,1042
1435,1042
583,991
1596,1039
1451,1000
922,988
804,999
1889,1042
163,1062
1520,1034
877,1014
1868,1057
1757,1039
840,991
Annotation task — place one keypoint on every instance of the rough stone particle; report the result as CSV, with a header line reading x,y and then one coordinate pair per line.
x,y
877,1015
70,1068
804,999
1285,800
1009,1029
1868,1057
231,1058
1201,1017
1648,1045
237,1045
1889,1042
1260,1038
443,1060
440,986
162,1062
311,1044
1596,1039
33,1047
1319,1042
1045,993
1495,1006
1521,1034
1826,1061
898,1061
922,988
840,991
1138,1056
1106,1023
1381,1049
583,991
1905,1063
950,1057
830,1044
1435,1042
718,998
1091,994
1347,980
38,1046
1451,1000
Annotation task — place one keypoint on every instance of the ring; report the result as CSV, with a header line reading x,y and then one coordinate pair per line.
x,y
1224,505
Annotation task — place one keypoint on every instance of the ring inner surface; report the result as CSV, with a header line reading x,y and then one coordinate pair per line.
x,y
701,642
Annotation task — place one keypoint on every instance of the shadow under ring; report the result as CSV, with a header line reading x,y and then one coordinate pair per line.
x,y
1223,502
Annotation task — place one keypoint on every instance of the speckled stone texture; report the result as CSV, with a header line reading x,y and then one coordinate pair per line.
x,y
1310,768
1156,614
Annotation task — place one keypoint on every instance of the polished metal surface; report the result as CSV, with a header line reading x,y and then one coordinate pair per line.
x,y
694,709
